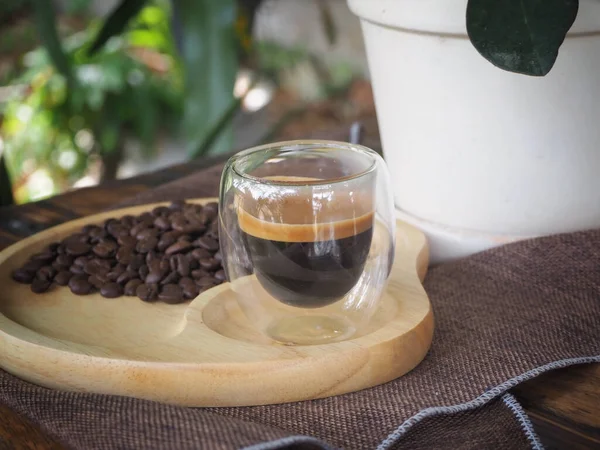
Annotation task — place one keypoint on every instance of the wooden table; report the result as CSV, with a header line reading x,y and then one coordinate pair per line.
x,y
563,405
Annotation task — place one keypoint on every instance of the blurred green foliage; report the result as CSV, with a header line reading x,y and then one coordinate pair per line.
x,y
132,86
122,77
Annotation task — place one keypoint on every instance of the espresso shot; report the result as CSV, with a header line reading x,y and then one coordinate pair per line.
x,y
304,264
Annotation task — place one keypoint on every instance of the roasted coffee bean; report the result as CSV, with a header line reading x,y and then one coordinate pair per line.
x,y
61,250
58,266
171,278
162,223
209,264
143,271
177,205
159,263
205,281
127,241
105,248
46,273
185,281
126,276
128,220
147,292
77,238
53,247
171,293
160,211
97,233
218,256
191,214
111,290
23,276
96,282
179,223
146,219
194,264
211,235
151,257
193,230
62,278
64,260
32,265
137,261
211,210
131,286
199,273
125,255
45,255
155,276
173,234
146,245
147,233
138,228
220,275
78,248
81,261
39,285
184,238
208,244
77,270
109,222
116,230
190,291
96,266
178,247
181,264
87,228
163,244
114,274
79,286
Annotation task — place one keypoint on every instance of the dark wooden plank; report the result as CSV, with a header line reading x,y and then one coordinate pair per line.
x,y
564,406
17,433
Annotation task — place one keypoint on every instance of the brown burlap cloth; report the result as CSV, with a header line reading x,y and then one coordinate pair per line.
x,y
502,317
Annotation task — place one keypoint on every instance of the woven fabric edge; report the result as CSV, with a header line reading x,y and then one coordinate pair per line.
x,y
484,398
526,426
409,423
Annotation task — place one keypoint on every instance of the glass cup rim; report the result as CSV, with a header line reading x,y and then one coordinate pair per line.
x,y
317,143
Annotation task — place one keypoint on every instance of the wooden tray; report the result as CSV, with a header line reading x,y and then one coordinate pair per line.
x,y
203,353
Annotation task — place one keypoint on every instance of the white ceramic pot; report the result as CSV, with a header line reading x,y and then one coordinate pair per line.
x,y
480,156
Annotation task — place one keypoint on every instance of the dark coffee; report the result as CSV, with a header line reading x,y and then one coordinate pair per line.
x,y
304,264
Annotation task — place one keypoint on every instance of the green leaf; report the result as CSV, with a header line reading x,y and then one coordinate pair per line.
x,y
521,36
6,195
210,63
327,22
116,22
217,129
45,21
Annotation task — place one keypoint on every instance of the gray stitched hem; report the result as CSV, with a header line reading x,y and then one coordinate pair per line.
x,y
513,404
399,432
482,399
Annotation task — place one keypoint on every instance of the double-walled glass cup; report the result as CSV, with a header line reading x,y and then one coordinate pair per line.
x,y
307,234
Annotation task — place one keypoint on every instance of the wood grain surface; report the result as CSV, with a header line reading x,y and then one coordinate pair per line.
x,y
564,405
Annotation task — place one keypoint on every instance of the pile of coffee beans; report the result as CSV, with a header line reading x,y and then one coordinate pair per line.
x,y
170,254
